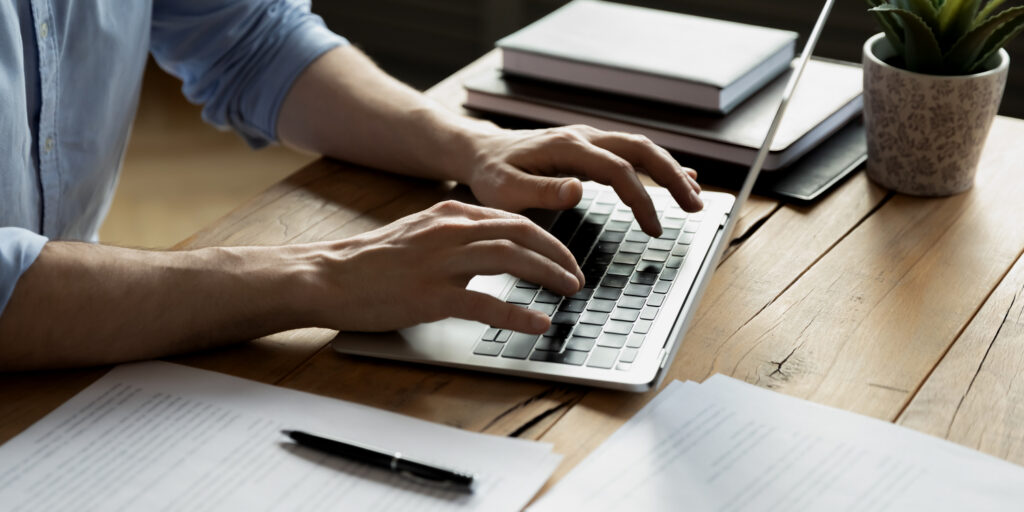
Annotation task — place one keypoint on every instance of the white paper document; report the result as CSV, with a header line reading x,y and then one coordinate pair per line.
x,y
158,436
730,446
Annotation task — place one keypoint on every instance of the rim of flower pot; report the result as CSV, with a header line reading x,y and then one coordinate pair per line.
x,y
871,46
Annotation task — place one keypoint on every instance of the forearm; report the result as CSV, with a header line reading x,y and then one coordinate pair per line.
x,y
84,304
345,107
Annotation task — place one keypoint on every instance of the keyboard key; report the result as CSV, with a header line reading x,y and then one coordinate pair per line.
x,y
625,315
560,331
671,223
644,278
628,355
521,296
617,226
662,286
600,258
612,236
547,309
565,318
572,305
604,292
607,247
637,236
661,245
655,255
566,224
594,318
519,346
686,238
549,344
615,281
669,274
680,250
503,336
631,248
649,313
653,267
603,208
488,348
619,327
580,343
548,297
526,284
597,218
635,340
601,305
624,367
626,258
618,269
656,300
669,234
583,294
674,262
638,290
692,227
642,326
573,357
611,340
603,357
587,331
490,334
631,302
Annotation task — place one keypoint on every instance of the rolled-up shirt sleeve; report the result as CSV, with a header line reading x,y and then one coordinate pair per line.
x,y
19,248
239,58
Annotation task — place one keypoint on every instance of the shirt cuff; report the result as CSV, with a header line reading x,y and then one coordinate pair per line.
x,y
302,44
19,248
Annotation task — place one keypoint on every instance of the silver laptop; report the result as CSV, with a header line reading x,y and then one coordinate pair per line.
x,y
624,329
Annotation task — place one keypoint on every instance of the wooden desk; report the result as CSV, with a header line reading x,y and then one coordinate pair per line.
x,y
900,308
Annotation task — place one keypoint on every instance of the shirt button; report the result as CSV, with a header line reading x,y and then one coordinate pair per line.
x,y
48,145
44,30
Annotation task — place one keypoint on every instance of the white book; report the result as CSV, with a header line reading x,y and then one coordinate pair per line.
x,y
676,58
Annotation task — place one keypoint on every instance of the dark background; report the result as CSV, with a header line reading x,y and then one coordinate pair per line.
x,y
422,41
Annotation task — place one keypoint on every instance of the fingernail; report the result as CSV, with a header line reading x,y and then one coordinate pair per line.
x,y
696,199
539,322
565,191
572,282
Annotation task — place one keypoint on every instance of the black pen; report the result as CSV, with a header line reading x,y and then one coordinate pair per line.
x,y
394,461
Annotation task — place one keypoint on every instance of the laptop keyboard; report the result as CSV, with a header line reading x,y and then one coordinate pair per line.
x,y
628,274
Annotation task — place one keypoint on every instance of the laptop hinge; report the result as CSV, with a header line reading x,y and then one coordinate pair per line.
x,y
664,358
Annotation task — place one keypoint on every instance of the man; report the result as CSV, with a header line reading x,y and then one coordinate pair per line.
x,y
70,74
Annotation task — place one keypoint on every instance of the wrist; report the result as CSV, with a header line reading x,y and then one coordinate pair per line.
x,y
462,145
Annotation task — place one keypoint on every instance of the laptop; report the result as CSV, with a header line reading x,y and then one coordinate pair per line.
x,y
623,330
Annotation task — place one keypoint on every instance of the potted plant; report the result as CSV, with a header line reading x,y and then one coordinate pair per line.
x,y
933,80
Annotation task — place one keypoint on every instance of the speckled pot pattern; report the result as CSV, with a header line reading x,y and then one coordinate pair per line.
x,y
925,133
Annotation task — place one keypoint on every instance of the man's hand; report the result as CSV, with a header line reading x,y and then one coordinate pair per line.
x,y
514,170
416,270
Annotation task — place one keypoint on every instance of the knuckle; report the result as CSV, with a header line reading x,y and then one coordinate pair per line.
x,y
565,135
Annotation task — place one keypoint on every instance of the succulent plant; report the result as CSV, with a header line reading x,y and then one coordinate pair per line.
x,y
947,37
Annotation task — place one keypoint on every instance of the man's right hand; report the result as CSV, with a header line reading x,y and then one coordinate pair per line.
x,y
416,270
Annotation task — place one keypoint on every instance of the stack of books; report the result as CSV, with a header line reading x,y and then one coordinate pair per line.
x,y
705,88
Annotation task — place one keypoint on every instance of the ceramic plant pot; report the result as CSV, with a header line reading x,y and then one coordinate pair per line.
x,y
925,132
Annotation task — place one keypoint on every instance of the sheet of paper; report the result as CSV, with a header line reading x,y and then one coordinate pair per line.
x,y
729,446
158,436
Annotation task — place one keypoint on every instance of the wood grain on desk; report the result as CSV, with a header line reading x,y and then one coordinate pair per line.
x,y
901,308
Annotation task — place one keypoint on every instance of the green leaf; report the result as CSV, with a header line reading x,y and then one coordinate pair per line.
x,y
956,18
985,12
923,8
893,31
999,39
963,56
921,49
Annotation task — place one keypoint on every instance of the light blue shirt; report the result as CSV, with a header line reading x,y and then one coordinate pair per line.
x,y
70,74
